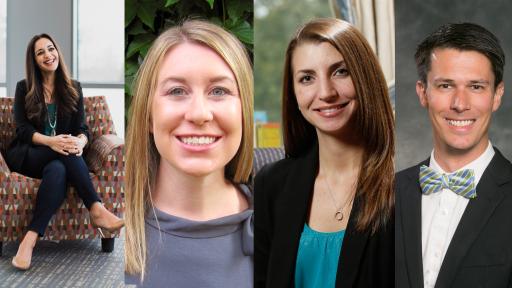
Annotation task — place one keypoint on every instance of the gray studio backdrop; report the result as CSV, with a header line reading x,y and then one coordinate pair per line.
x,y
415,19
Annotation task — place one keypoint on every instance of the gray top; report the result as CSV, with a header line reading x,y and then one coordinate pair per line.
x,y
186,253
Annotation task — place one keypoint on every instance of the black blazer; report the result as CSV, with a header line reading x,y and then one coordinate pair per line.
x,y
480,253
73,124
283,192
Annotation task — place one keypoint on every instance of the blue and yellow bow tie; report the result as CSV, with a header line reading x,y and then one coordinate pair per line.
x,y
460,182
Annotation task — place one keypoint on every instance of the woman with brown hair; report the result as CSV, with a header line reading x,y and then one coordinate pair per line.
x,y
50,137
324,214
190,137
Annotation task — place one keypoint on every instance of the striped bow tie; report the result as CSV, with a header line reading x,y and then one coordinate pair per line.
x,y
460,182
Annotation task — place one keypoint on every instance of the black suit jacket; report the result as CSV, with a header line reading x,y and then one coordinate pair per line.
x,y
283,192
480,253
73,124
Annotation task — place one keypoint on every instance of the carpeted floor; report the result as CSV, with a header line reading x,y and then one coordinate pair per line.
x,y
78,263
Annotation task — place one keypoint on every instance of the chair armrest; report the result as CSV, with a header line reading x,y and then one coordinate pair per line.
x,y
3,165
105,148
263,156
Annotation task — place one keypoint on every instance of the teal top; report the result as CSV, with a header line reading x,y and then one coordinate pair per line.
x,y
317,258
52,114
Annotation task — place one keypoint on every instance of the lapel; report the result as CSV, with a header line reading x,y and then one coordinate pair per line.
x,y
351,251
299,189
476,215
410,203
299,186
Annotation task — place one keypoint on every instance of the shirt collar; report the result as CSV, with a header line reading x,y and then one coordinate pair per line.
x,y
478,165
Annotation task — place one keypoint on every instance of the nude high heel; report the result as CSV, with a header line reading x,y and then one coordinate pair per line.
x,y
116,226
112,229
20,264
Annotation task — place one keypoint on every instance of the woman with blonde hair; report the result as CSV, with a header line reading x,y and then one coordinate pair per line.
x,y
188,213
324,214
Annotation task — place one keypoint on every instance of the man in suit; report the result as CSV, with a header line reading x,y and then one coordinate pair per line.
x,y
454,210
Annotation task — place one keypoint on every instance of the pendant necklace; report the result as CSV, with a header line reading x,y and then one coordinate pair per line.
x,y
338,215
54,124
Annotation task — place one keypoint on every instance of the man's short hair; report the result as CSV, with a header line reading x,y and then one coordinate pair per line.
x,y
464,37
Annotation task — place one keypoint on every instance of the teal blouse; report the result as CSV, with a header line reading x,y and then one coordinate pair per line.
x,y
52,109
317,258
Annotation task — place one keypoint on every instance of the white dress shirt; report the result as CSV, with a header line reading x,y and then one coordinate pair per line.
x,y
440,215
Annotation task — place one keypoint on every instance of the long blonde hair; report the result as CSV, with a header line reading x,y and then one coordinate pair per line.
x,y
374,116
142,158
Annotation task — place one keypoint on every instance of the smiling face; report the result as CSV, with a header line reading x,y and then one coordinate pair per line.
x,y
460,98
323,86
46,55
196,112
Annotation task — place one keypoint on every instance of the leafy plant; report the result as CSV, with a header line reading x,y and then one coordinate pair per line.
x,y
146,19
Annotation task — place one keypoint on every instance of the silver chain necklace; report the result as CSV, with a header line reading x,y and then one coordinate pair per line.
x,y
338,215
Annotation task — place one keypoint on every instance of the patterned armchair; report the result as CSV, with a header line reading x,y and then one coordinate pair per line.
x,y
105,158
263,156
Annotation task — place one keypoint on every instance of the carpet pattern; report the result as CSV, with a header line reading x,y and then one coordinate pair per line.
x,y
69,263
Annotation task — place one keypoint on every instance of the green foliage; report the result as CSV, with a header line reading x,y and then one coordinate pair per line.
x,y
146,19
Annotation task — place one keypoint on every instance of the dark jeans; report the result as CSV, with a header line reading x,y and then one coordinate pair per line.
x,y
56,170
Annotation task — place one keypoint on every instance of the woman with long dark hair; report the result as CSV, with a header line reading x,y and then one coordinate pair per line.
x,y
50,137
324,215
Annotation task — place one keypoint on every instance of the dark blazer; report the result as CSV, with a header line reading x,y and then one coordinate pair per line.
x,y
283,192
73,124
480,253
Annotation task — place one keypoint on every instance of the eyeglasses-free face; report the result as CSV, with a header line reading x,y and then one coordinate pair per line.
x,y
196,112
323,86
46,55
460,98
